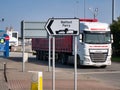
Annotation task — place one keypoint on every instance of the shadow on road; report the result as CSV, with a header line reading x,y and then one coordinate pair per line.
x,y
45,63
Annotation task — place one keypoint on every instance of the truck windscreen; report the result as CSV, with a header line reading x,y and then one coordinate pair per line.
x,y
97,37
14,35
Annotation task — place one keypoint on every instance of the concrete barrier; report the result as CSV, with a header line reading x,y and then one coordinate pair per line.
x,y
25,57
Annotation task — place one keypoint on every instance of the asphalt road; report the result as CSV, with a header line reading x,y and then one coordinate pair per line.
x,y
109,75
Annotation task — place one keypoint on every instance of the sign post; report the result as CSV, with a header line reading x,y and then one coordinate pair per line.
x,y
53,55
49,62
63,26
23,43
31,29
75,64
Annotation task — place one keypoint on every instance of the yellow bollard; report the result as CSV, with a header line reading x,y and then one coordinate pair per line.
x,y
37,81
34,86
40,81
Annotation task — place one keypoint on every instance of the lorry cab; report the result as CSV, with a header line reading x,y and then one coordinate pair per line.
x,y
94,48
13,35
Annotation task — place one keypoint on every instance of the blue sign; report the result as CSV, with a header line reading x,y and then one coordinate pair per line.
x,y
4,43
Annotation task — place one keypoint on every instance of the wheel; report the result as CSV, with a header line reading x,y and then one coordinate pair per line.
x,y
78,61
64,59
37,56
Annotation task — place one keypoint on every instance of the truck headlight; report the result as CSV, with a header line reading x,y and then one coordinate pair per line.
x,y
86,59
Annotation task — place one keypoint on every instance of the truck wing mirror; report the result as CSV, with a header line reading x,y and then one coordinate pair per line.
x,y
111,38
80,37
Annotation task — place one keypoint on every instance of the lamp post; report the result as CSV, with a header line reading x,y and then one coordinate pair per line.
x,y
84,8
77,4
2,20
113,10
94,12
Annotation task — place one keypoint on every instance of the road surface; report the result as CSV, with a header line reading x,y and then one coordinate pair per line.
x,y
110,75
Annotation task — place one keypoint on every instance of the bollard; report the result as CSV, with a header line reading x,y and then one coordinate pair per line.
x,y
37,81
40,81
5,76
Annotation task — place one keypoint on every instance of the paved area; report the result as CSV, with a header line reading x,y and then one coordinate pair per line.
x,y
18,80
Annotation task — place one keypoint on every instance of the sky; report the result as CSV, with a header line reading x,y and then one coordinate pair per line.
x,y
14,11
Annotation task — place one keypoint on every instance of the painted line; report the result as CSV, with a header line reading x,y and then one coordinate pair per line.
x,y
99,72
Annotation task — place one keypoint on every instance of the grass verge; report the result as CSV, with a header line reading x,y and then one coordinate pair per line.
x,y
116,59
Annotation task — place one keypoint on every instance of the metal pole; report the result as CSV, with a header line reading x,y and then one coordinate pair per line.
x,y
2,20
53,56
113,10
94,15
49,66
84,9
77,3
23,46
94,12
75,64
5,76
23,64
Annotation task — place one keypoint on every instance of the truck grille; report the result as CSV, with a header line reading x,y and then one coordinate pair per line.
x,y
98,57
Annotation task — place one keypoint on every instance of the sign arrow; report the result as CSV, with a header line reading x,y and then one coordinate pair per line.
x,y
49,26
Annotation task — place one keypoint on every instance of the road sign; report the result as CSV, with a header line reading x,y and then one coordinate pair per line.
x,y
62,26
32,29
4,45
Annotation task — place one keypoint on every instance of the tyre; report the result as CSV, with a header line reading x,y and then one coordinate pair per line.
x,y
37,56
64,59
78,61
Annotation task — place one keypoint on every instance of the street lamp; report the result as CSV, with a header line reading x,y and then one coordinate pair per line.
x,y
2,20
77,3
113,10
94,12
84,8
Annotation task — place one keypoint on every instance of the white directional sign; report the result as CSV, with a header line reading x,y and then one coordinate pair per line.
x,y
63,26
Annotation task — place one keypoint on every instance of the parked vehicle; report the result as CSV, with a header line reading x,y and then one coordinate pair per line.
x,y
94,45
13,35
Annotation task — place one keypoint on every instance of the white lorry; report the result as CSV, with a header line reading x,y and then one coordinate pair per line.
x,y
13,37
94,45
